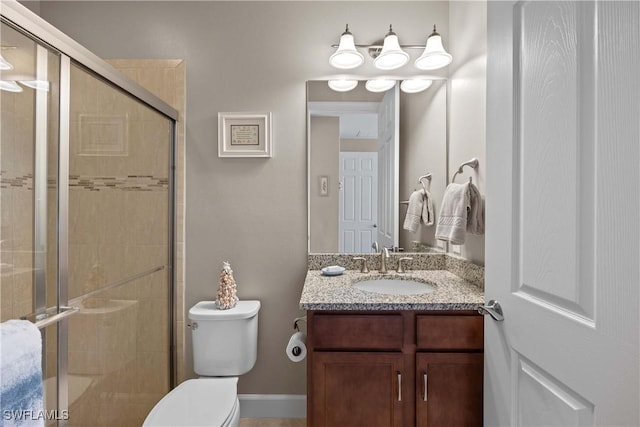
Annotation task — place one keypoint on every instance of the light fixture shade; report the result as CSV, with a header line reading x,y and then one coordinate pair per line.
x,y
379,85
346,56
415,85
434,55
4,64
10,86
342,85
392,56
36,84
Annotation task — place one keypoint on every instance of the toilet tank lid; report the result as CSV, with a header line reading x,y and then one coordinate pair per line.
x,y
207,310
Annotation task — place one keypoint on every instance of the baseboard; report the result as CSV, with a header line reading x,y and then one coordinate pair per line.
x,y
273,405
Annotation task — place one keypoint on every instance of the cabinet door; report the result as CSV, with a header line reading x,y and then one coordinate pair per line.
x,y
357,389
449,389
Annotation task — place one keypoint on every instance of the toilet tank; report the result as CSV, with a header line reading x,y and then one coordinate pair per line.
x,y
225,342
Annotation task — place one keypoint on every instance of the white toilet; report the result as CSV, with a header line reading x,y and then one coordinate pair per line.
x,y
225,345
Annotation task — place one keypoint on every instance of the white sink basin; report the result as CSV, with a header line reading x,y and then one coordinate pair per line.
x,y
394,286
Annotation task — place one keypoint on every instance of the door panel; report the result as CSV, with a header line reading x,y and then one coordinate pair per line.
x,y
358,202
554,150
453,386
388,161
563,240
543,400
357,389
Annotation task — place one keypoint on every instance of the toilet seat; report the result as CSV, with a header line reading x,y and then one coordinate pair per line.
x,y
199,402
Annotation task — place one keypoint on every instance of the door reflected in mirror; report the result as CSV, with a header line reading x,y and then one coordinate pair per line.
x,y
366,153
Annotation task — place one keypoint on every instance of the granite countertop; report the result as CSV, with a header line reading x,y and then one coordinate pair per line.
x,y
337,293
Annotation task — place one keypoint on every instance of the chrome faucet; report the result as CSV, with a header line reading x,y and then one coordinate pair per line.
x,y
384,255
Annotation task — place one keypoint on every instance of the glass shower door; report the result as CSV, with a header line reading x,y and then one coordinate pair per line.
x,y
29,104
86,221
119,275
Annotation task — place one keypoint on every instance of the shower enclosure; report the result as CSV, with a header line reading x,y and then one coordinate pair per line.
x,y
86,224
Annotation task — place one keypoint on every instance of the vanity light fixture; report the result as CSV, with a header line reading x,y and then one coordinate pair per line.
x,y
392,56
415,85
342,85
346,57
380,84
10,86
4,64
36,84
434,55
389,56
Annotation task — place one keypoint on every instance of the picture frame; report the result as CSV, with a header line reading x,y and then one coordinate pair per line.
x,y
244,135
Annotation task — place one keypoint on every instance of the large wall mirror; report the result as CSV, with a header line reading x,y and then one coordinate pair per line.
x,y
366,153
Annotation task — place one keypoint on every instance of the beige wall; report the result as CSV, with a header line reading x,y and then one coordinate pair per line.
x,y
325,150
251,212
423,149
467,110
319,91
358,145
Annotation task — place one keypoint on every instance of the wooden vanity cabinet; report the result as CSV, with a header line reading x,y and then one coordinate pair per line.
x,y
361,388
369,368
452,383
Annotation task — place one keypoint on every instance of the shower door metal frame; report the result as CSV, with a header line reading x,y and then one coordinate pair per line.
x,y
23,20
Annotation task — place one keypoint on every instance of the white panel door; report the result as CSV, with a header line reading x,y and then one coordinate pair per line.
x,y
388,168
358,203
563,233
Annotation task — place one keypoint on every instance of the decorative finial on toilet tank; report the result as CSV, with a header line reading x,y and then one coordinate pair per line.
x,y
227,297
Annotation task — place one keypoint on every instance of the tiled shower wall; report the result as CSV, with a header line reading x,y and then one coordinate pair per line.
x,y
167,80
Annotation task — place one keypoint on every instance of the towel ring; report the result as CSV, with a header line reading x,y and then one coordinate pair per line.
x,y
427,177
473,163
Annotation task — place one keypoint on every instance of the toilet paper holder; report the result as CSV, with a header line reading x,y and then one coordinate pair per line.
x,y
298,319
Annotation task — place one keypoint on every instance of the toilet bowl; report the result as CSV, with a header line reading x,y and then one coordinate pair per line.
x,y
199,402
225,346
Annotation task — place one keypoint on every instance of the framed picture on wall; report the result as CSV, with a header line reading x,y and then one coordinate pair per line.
x,y
244,135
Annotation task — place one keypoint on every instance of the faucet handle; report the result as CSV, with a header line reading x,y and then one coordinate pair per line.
x,y
363,264
400,263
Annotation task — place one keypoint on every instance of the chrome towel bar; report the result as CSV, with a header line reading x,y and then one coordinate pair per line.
x,y
47,319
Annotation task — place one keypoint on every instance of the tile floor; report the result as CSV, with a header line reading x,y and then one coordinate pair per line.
x,y
273,422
